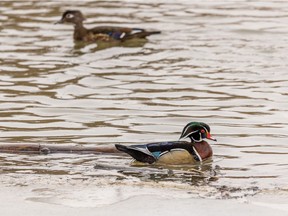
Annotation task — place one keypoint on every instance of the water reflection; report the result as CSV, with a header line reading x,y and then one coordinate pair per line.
x,y
81,48
199,174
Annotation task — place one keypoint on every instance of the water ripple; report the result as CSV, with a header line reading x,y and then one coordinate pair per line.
x,y
221,63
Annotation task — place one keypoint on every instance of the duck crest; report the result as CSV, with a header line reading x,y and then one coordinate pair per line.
x,y
196,131
72,16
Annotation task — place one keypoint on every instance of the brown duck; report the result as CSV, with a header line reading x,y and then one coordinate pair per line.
x,y
101,33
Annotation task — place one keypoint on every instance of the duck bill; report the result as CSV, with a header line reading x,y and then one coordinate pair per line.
x,y
59,22
210,137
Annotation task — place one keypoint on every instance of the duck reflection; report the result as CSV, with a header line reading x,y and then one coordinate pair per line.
x,y
194,174
80,46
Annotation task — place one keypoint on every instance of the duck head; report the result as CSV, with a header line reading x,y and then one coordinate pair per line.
x,y
196,131
72,16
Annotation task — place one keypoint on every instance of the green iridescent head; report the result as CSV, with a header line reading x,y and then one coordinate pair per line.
x,y
196,131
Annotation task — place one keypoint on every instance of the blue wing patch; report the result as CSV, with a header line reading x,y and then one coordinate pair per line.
x,y
117,35
156,154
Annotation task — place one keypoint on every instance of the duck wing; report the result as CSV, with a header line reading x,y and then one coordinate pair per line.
x,y
149,153
138,152
122,33
139,33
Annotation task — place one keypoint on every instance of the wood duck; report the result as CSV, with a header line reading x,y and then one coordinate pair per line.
x,y
101,33
175,152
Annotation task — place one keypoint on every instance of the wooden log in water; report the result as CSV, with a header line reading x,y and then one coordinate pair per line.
x,y
57,148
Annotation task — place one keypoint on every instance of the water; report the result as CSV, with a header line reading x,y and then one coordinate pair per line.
x,y
221,63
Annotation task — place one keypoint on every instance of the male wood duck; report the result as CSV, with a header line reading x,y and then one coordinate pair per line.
x,y
101,33
175,152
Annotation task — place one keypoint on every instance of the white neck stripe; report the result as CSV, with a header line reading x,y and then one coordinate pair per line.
x,y
197,154
190,134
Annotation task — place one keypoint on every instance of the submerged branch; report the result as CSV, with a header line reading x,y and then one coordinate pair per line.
x,y
57,148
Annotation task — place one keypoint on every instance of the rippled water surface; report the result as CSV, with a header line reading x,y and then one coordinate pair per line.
x,y
221,63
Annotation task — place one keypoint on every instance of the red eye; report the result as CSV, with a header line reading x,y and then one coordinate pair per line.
x,y
202,131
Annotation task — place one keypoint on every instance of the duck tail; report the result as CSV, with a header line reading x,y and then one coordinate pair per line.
x,y
141,33
121,148
143,30
154,32
138,153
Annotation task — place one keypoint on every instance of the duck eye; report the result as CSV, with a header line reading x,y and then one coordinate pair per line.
x,y
69,16
202,131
